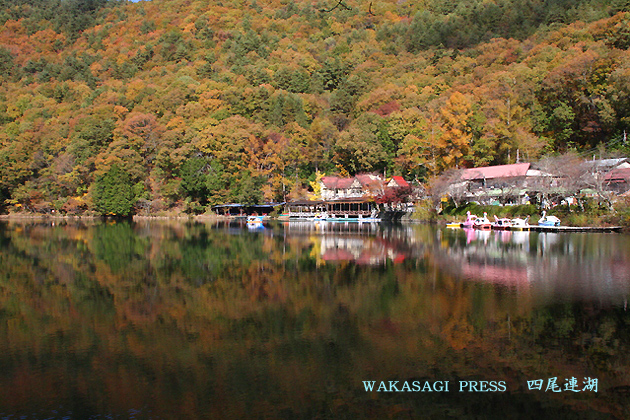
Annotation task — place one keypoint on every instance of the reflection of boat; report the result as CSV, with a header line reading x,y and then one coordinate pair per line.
x,y
548,220
520,224
482,222
471,235
470,220
501,224
255,222
505,235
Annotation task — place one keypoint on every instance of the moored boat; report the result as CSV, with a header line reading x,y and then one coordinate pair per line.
x,y
470,220
482,222
501,224
548,220
520,224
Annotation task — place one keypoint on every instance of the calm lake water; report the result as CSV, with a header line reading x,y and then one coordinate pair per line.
x,y
171,320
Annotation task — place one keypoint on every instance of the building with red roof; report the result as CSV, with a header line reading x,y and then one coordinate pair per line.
x,y
618,180
363,185
504,183
359,186
517,183
398,182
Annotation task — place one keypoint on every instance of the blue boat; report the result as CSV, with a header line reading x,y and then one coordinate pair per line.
x,y
548,220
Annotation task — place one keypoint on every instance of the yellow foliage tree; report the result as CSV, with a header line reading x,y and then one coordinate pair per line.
x,y
454,143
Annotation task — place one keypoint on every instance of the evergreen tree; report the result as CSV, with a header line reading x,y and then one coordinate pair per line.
x,y
193,178
112,193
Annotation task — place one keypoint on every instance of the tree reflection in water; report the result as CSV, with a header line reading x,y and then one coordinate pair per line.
x,y
193,320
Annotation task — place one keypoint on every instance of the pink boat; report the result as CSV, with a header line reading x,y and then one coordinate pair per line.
x,y
470,220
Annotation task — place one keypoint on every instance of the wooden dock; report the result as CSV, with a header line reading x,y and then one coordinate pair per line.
x,y
593,229
536,228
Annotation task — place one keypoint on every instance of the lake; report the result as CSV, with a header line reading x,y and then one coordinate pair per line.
x,y
175,320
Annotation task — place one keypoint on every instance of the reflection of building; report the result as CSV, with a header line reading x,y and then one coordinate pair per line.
x,y
360,243
368,251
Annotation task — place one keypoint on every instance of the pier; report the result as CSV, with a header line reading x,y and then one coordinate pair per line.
x,y
574,228
536,228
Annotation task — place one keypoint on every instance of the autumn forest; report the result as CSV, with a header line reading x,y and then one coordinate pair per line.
x,y
178,105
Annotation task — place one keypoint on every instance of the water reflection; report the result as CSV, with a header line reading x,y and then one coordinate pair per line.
x,y
361,243
561,265
215,320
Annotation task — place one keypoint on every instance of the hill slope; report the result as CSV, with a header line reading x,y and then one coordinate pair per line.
x,y
191,103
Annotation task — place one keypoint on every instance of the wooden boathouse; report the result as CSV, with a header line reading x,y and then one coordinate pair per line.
x,y
244,210
342,208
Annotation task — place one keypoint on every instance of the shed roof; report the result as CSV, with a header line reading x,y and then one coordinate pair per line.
x,y
618,175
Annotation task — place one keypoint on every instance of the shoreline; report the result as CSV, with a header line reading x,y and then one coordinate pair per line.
x,y
35,216
439,221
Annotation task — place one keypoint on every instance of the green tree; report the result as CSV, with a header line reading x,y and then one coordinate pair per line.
x,y
113,193
194,178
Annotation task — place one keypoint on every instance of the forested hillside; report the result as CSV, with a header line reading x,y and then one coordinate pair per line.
x,y
121,107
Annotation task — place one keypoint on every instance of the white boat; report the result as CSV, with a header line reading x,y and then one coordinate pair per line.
x,y
482,222
548,220
501,224
520,224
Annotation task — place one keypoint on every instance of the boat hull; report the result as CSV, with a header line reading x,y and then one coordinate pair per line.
x,y
549,224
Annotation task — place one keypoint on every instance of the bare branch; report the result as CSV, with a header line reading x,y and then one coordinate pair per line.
x,y
339,4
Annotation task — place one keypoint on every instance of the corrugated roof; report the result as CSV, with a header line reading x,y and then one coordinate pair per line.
x,y
499,171
609,162
618,175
